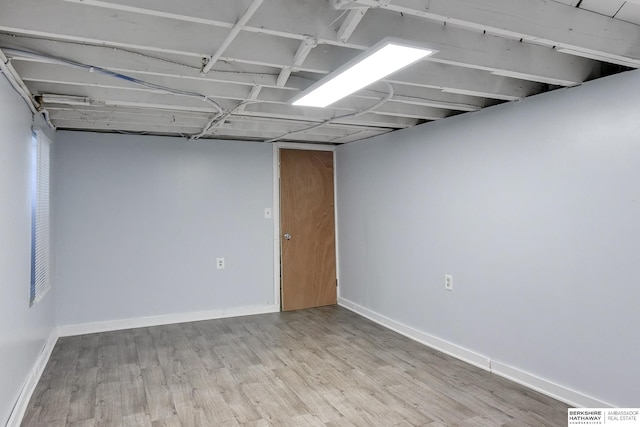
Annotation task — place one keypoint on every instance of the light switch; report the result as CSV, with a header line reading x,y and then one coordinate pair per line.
x,y
267,213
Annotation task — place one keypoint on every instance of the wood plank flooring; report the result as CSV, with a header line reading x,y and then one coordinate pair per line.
x,y
317,367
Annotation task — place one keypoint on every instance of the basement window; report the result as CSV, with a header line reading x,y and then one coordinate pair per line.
x,y
40,242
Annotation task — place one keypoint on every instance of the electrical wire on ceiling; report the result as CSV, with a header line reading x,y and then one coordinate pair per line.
x,y
16,82
344,116
120,49
130,79
221,114
133,52
218,118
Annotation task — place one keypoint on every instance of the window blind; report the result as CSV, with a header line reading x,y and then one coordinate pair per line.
x,y
40,241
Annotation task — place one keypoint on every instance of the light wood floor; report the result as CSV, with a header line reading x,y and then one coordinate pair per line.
x,y
324,367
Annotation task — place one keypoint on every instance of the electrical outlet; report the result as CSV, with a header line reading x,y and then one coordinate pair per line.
x,y
220,263
448,282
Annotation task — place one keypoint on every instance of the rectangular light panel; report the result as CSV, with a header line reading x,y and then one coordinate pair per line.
x,y
381,61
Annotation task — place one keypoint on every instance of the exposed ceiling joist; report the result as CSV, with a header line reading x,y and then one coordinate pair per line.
x,y
253,96
456,46
466,80
232,35
61,76
137,65
301,55
124,127
293,113
104,114
350,23
125,61
440,76
165,119
539,21
477,50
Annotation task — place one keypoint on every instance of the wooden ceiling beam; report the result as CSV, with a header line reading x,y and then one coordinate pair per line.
x,y
423,75
551,23
285,19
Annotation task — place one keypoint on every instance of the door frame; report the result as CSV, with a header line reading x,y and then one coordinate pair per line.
x,y
277,267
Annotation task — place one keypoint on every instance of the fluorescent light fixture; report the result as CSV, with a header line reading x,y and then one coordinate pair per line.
x,y
383,59
65,99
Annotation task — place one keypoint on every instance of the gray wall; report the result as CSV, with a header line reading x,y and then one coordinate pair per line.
x,y
23,330
534,208
139,222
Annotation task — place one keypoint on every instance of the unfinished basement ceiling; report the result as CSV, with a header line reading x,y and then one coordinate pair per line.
x,y
228,69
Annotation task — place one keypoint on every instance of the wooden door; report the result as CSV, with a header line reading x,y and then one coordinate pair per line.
x,y
307,229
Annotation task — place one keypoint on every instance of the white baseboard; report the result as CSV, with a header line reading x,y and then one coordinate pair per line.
x,y
446,347
142,322
32,380
549,388
546,387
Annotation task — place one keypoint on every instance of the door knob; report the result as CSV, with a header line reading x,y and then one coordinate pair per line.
x,y
287,236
